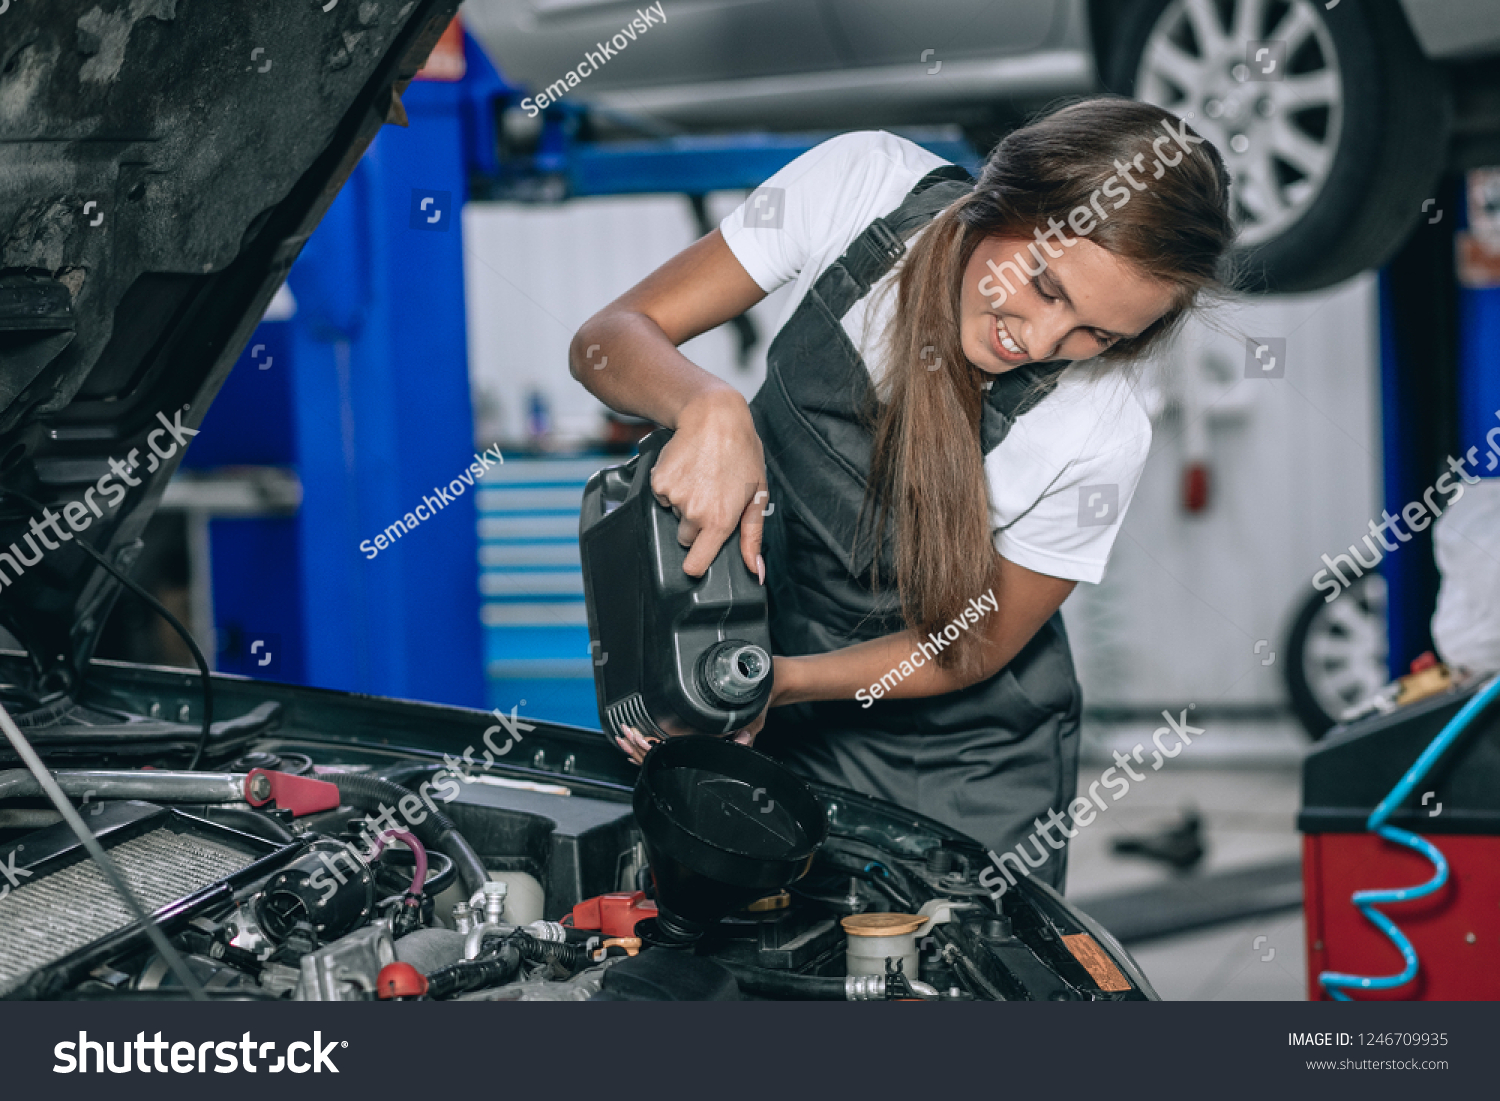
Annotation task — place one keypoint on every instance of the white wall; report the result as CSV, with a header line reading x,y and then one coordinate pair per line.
x,y
535,273
1294,465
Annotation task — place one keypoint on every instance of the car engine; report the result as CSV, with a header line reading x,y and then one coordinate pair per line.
x,y
309,873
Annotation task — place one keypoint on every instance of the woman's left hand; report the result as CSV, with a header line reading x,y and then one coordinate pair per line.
x,y
780,686
745,735
636,745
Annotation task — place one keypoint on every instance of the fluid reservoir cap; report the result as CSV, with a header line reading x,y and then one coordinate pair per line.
x,y
771,903
732,671
400,980
882,925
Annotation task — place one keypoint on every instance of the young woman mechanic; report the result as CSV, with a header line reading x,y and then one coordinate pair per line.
x,y
944,444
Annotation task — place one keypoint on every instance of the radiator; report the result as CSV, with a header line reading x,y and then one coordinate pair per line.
x,y
61,911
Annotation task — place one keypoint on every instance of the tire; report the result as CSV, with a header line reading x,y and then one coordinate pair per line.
x,y
1362,110
1336,653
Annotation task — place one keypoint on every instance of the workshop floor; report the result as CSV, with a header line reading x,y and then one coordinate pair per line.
x,y
1248,804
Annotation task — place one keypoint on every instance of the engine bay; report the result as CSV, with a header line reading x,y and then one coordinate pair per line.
x,y
337,849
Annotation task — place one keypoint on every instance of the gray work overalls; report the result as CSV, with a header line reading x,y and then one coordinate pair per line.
x,y
987,760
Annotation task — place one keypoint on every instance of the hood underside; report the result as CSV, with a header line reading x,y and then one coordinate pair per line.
x,y
161,166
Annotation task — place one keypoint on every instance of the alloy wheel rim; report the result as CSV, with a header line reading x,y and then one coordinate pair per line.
x,y
1275,120
1344,661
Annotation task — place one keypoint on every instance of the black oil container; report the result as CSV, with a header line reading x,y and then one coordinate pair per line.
x,y
668,648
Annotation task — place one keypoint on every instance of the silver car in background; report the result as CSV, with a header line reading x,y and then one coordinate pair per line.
x,y
1336,117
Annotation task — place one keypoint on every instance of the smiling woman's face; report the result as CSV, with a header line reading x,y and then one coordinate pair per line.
x,y
1082,302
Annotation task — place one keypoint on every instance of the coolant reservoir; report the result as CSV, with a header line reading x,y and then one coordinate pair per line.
x,y
874,938
693,654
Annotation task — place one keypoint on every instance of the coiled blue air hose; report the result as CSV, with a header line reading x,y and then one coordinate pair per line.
x,y
1335,982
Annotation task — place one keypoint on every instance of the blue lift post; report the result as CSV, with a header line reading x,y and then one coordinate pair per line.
x,y
367,398
1440,396
383,415
1478,365
256,584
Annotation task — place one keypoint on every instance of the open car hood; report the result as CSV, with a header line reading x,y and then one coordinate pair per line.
x,y
161,166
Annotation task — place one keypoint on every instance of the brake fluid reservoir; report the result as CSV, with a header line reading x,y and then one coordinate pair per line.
x,y
668,648
874,938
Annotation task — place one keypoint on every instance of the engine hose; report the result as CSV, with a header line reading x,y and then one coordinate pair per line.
x,y
245,820
418,852
474,974
786,985
436,830
1336,982
894,882
568,956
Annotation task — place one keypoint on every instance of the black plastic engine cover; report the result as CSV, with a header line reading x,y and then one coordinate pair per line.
x,y
1351,771
656,632
659,975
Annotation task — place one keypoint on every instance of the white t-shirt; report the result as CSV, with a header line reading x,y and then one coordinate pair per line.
x,y
1062,479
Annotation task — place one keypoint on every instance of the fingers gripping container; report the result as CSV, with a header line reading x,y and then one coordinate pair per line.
x,y
668,648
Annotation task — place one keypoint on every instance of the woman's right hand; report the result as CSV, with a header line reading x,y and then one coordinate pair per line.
x,y
712,475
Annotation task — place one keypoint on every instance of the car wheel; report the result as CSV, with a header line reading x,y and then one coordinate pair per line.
x,y
1333,124
1336,653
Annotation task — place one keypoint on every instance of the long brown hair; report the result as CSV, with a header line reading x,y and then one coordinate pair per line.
x,y
927,467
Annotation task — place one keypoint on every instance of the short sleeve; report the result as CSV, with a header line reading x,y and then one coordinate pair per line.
x,y
804,215
1063,479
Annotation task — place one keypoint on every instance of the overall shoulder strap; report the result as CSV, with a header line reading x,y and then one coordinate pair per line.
x,y
876,250
1013,394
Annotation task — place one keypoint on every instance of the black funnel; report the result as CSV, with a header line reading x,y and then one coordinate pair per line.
x,y
723,826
